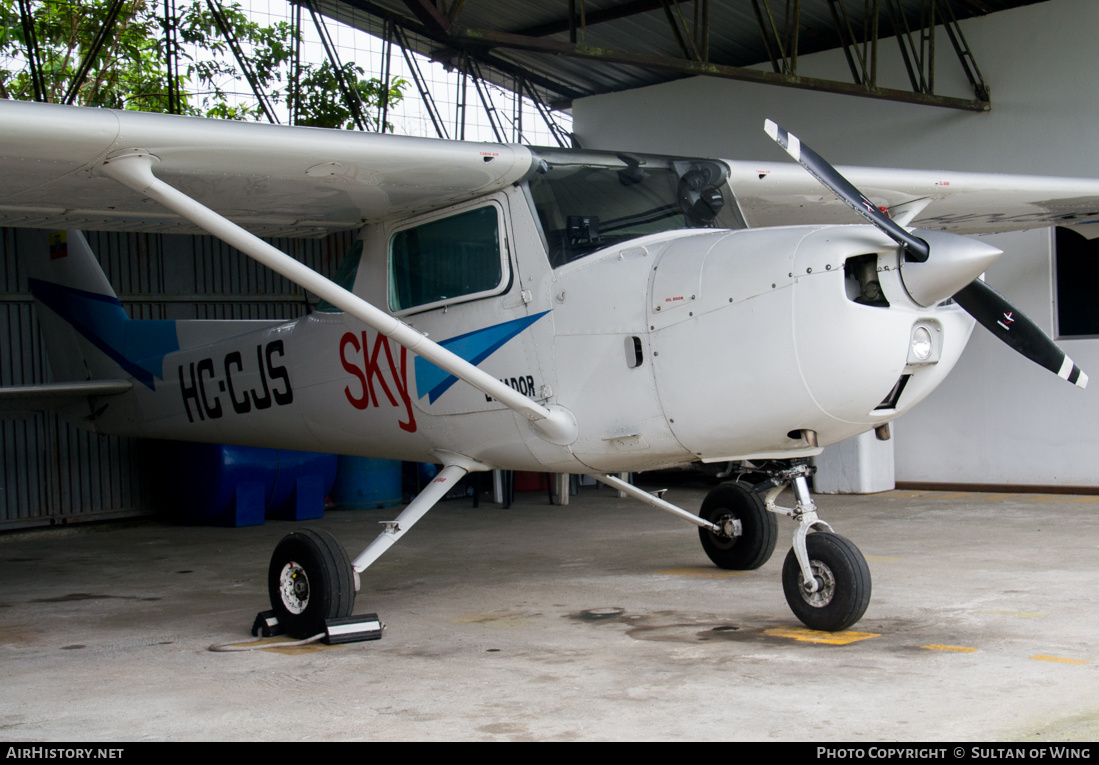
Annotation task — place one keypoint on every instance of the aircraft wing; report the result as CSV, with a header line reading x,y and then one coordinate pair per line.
x,y
273,180
289,181
776,194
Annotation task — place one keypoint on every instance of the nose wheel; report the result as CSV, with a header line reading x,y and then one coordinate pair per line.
x,y
839,592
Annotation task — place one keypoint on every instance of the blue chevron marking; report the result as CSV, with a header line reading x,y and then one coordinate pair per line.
x,y
474,347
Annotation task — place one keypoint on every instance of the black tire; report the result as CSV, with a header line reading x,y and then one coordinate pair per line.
x,y
759,529
310,579
844,581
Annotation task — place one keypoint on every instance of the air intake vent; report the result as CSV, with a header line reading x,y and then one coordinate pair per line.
x,y
634,355
861,280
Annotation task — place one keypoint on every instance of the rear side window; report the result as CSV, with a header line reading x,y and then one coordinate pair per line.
x,y
457,257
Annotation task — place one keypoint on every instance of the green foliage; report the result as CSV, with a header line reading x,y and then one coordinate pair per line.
x,y
130,71
318,107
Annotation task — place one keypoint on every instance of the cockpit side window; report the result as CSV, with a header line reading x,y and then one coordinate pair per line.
x,y
457,257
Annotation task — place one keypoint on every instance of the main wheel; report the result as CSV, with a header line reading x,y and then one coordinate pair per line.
x,y
310,580
730,502
843,580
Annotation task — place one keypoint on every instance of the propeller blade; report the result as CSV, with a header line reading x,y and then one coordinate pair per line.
x,y
994,313
915,249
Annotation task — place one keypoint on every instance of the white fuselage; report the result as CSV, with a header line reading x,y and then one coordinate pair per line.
x,y
695,344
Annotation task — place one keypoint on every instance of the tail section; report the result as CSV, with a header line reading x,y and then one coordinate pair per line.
x,y
88,334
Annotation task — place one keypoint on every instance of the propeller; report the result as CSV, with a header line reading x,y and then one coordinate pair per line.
x,y
995,314
952,270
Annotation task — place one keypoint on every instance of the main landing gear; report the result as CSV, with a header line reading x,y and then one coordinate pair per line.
x,y
311,580
825,577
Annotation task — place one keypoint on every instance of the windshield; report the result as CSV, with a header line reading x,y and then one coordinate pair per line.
x,y
588,201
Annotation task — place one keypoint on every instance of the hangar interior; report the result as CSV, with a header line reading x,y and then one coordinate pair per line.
x,y
896,83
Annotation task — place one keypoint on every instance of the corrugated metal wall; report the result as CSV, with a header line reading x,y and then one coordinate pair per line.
x,y
52,473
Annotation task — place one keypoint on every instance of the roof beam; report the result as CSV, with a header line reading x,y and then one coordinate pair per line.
x,y
429,15
593,17
438,26
487,38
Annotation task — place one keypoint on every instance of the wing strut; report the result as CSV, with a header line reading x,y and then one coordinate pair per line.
x,y
133,168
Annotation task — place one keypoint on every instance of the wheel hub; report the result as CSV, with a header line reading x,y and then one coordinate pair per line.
x,y
729,530
826,585
731,526
294,588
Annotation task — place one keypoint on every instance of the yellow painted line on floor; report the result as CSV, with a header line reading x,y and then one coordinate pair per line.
x,y
950,648
883,558
1059,659
1015,614
700,572
813,636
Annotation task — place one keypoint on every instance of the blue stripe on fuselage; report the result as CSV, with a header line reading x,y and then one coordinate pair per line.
x,y
474,347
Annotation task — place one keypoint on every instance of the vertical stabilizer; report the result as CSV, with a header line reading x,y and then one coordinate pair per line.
x,y
88,334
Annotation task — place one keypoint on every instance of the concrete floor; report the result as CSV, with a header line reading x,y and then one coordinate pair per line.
x,y
599,620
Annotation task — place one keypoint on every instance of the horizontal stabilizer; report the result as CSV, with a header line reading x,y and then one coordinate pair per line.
x,y
47,397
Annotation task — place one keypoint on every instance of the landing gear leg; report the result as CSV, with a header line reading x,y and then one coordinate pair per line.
x,y
417,509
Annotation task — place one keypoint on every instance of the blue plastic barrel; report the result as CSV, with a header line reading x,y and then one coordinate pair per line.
x,y
363,482
240,485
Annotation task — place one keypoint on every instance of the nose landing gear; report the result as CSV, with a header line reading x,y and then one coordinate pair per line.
x,y
825,578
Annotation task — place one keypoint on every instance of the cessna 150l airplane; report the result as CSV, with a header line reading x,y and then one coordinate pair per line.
x,y
526,309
